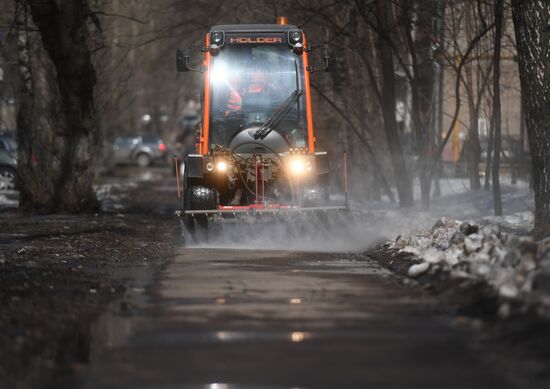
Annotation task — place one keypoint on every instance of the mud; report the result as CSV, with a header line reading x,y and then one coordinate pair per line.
x,y
58,273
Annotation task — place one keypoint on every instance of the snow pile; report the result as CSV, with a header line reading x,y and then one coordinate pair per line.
x,y
515,265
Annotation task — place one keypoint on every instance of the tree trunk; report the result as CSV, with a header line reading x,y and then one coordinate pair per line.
x,y
472,145
473,155
422,86
499,10
533,45
521,159
439,88
63,30
401,173
29,178
489,158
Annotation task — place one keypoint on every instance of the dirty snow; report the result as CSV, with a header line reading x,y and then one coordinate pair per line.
x,y
489,249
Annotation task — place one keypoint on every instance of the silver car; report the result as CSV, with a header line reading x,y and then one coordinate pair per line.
x,y
139,150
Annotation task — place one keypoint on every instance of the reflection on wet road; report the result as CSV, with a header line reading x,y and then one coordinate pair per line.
x,y
233,319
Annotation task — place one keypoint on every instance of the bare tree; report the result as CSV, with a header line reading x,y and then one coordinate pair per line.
x,y
401,171
533,45
476,81
58,176
499,11
419,37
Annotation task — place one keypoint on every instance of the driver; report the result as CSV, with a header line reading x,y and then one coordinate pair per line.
x,y
255,86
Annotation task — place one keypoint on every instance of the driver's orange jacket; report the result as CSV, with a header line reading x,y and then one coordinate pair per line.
x,y
256,86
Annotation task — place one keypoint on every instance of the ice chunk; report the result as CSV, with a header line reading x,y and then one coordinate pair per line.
x,y
410,250
432,255
472,243
418,269
508,290
480,269
453,255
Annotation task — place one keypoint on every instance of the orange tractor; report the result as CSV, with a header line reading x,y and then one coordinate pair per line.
x,y
255,151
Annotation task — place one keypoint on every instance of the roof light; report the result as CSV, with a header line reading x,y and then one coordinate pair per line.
x,y
216,38
282,20
296,40
295,37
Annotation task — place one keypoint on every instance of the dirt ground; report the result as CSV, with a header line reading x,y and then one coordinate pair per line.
x,y
59,272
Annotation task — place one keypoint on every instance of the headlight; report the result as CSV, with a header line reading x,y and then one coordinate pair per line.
x,y
209,166
216,38
294,37
221,166
297,166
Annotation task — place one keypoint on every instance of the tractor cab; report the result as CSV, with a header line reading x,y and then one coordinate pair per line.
x,y
255,144
255,85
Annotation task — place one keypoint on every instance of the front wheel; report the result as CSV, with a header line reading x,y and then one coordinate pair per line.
x,y
197,198
143,160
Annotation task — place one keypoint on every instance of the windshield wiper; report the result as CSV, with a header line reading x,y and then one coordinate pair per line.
x,y
277,116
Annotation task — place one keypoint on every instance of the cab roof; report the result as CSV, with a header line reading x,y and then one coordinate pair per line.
x,y
254,27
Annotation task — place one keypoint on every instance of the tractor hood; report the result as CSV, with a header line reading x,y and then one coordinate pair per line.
x,y
245,143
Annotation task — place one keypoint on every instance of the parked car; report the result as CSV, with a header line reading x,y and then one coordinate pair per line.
x,y
8,142
8,162
139,150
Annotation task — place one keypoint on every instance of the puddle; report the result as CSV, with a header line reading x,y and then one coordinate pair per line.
x,y
185,338
345,266
117,324
230,300
12,238
223,386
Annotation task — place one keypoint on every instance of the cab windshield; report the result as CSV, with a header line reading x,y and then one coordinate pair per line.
x,y
248,84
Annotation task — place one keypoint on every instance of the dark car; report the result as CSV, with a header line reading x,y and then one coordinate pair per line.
x,y
8,142
139,150
8,161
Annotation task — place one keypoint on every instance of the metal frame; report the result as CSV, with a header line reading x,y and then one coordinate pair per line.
x,y
260,210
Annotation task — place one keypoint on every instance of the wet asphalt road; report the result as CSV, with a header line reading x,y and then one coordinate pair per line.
x,y
224,318
218,318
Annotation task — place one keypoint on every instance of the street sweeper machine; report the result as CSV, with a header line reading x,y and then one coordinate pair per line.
x,y
255,145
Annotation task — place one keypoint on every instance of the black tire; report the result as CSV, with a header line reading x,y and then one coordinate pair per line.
x,y
202,197
143,160
198,197
8,178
